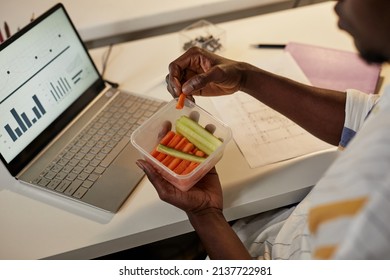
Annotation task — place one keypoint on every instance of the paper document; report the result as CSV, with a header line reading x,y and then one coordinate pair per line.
x,y
263,135
335,69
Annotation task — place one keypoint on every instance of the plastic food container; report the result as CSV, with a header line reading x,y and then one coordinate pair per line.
x,y
148,135
203,34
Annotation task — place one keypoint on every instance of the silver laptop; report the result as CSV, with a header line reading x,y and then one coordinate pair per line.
x,y
63,129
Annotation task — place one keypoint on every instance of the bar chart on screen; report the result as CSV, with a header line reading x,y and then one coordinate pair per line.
x,y
60,88
23,121
42,75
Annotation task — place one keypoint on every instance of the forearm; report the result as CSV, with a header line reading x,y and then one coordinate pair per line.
x,y
321,112
217,237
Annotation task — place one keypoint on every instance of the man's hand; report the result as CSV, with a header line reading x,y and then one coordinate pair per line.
x,y
205,195
199,72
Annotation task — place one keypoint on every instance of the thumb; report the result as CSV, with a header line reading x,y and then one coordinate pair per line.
x,y
194,84
197,85
163,188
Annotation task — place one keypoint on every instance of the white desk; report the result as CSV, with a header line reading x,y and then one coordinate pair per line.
x,y
96,19
36,224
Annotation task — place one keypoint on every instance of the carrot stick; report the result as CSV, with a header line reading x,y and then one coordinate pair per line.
x,y
179,169
167,160
189,168
199,153
165,140
155,153
175,140
180,101
160,156
182,166
176,161
182,144
188,147
179,146
172,143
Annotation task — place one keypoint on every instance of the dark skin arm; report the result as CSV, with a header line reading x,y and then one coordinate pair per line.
x,y
197,72
203,206
319,111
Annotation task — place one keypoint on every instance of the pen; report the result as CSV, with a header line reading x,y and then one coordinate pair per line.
x,y
269,46
6,28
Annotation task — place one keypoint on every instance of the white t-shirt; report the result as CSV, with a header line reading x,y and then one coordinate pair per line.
x,y
345,214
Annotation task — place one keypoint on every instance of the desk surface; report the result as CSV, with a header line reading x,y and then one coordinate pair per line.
x,y
36,224
97,19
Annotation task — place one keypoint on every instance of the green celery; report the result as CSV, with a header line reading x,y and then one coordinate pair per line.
x,y
178,154
198,135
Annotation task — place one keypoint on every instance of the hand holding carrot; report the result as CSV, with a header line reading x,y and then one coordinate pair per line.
x,y
198,72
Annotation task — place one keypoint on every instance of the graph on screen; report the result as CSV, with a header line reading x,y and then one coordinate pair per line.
x,y
60,88
24,122
42,74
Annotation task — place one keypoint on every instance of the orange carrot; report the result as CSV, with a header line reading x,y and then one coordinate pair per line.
x,y
160,156
164,141
180,101
176,161
154,153
199,153
189,168
182,166
179,146
188,147
180,143
172,143
167,160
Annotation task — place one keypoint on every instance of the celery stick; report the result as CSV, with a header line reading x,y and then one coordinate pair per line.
x,y
196,139
197,134
200,130
178,154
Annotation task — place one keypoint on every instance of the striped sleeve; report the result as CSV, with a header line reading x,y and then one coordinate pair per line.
x,y
358,106
350,205
335,215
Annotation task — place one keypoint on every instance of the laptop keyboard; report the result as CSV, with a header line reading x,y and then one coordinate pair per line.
x,y
83,161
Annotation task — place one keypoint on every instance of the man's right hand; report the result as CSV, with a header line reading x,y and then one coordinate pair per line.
x,y
199,72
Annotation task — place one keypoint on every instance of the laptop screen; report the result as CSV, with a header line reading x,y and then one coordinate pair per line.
x,y
46,78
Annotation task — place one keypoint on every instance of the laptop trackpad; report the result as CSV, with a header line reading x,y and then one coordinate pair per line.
x,y
117,182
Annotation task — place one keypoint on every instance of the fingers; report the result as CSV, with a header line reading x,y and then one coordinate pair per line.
x,y
196,84
173,82
177,70
163,188
205,194
202,84
198,72
188,66
166,191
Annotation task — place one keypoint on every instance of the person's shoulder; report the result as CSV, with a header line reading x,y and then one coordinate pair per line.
x,y
338,203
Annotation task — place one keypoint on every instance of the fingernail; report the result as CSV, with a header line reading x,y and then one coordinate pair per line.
x,y
185,89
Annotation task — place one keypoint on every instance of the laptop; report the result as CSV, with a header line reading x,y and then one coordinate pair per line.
x,y
63,129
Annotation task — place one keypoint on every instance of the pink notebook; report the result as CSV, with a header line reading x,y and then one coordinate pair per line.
x,y
335,69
